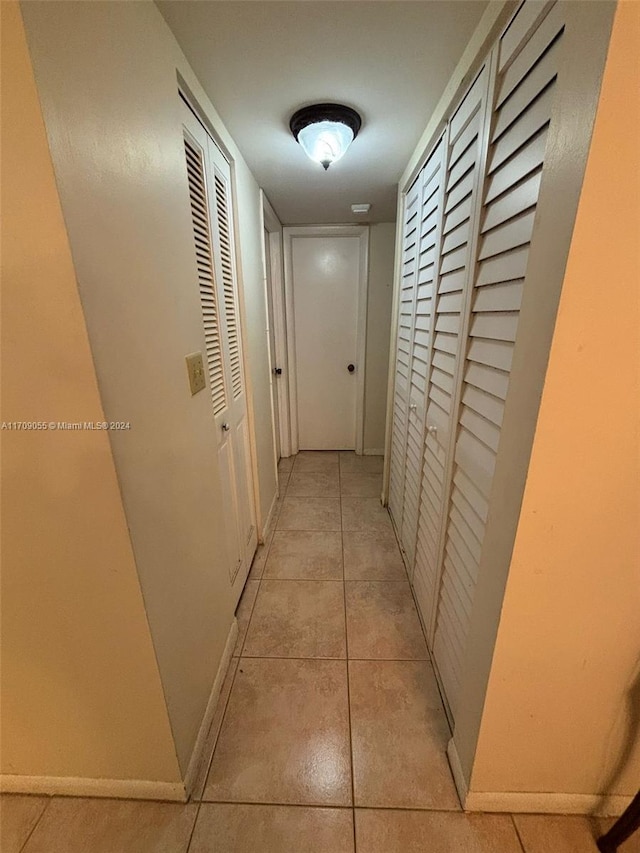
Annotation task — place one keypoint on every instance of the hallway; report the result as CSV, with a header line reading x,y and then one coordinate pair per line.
x,y
196,283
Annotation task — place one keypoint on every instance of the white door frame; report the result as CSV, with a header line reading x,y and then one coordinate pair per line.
x,y
362,232
275,295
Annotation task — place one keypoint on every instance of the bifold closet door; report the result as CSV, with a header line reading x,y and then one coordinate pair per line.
x,y
421,246
428,249
527,67
465,142
410,236
209,183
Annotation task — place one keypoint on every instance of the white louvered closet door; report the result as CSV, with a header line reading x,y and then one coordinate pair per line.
x,y
410,234
428,249
209,181
465,141
527,68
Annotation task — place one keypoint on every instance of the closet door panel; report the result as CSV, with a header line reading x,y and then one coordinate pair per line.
x,y
528,60
209,182
429,247
406,309
459,193
237,422
461,183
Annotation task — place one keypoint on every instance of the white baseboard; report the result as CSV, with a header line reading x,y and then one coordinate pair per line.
x,y
198,755
132,789
532,803
546,803
70,786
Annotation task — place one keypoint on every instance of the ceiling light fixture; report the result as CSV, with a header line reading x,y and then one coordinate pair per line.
x,y
325,131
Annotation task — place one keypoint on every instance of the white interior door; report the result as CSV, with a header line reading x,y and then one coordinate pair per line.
x,y
325,283
209,180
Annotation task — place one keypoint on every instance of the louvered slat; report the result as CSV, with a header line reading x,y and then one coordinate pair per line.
x,y
204,262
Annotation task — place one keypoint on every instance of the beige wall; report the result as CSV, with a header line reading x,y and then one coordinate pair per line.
x,y
564,690
106,75
379,303
81,692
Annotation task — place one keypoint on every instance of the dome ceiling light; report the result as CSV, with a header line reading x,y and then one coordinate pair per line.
x,y
325,131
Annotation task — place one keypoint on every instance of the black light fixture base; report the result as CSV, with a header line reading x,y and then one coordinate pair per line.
x,y
324,112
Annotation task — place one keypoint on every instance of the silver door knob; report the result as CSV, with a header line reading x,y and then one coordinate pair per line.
x,y
226,427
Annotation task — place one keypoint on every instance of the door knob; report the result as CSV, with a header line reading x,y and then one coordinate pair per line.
x,y
351,368
225,427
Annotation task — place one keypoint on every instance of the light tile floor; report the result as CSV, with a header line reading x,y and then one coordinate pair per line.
x,y
329,736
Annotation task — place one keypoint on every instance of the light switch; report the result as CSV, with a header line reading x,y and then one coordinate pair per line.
x,y
195,368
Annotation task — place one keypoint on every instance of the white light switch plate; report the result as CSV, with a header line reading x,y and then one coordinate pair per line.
x,y
195,368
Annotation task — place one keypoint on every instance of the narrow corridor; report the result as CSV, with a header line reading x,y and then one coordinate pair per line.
x,y
330,734
298,729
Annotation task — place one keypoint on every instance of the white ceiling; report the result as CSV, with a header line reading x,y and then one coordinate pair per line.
x,y
260,60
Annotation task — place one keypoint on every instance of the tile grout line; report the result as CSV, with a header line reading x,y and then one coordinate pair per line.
x,y
239,658
253,606
36,824
346,643
267,548
330,580
378,808
278,804
311,530
195,823
222,718
324,657
246,657
517,832
344,581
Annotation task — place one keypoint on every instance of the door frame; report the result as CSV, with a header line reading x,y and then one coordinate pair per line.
x,y
275,297
362,232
